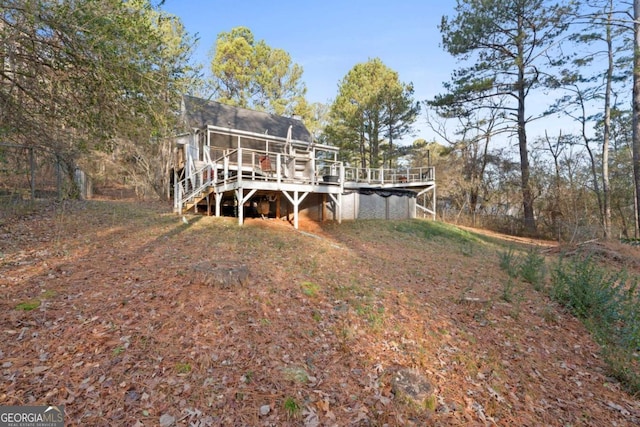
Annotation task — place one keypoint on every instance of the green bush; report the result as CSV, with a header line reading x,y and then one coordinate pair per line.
x,y
587,290
507,290
509,262
608,303
533,269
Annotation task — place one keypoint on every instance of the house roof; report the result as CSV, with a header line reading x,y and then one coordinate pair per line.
x,y
199,113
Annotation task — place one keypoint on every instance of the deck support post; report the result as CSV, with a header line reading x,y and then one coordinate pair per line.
x,y
433,203
431,211
242,199
414,214
177,194
337,200
218,197
295,201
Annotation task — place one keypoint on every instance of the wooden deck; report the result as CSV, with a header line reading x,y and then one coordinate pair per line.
x,y
259,164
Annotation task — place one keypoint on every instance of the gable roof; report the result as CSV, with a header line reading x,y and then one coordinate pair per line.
x,y
199,113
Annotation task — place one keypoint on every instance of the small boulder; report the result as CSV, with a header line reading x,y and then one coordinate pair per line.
x,y
167,420
222,276
410,386
264,410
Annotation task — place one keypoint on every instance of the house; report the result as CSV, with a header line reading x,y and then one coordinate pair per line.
x,y
235,161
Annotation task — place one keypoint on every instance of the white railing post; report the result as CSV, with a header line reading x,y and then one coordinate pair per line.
x,y
177,196
175,190
253,165
239,172
278,167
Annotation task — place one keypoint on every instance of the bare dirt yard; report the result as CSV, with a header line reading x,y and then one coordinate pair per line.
x,y
127,315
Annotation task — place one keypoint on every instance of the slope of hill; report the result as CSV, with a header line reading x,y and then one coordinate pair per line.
x,y
129,316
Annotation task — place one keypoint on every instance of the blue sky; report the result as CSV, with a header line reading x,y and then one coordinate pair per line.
x,y
327,38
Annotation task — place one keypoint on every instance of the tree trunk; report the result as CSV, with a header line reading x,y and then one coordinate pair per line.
x,y
375,144
606,217
363,151
473,203
390,149
636,109
527,195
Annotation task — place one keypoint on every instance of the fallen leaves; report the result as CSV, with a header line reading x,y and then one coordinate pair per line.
x,y
124,336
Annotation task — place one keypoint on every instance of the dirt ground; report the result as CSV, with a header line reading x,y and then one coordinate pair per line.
x,y
105,309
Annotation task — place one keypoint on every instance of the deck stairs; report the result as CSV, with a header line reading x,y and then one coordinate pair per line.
x,y
196,198
196,186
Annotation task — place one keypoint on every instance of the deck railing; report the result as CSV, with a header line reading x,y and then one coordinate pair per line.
x,y
235,165
261,165
389,176
188,188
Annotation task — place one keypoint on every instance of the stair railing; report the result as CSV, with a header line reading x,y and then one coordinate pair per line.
x,y
194,184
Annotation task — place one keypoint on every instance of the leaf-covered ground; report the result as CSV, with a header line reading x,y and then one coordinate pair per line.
x,y
100,311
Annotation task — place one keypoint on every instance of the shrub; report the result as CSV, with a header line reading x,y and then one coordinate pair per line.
x,y
588,291
509,262
609,305
533,269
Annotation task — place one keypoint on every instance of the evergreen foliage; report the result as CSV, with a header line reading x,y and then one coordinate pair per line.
x,y
249,73
372,110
